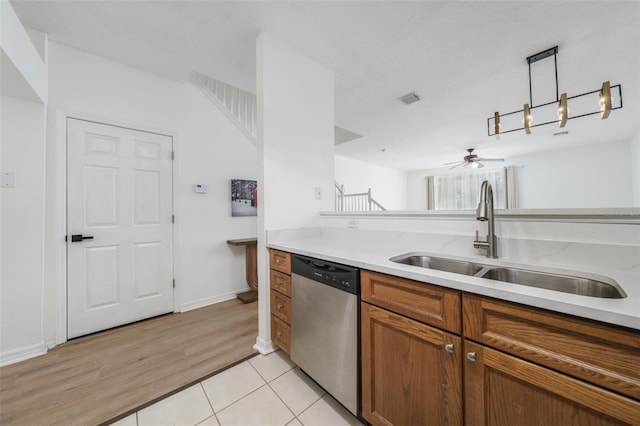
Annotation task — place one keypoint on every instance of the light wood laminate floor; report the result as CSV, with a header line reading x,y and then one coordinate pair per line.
x,y
97,378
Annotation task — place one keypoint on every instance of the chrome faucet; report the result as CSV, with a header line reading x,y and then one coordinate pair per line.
x,y
485,213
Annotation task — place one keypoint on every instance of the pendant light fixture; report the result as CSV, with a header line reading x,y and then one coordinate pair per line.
x,y
563,111
547,113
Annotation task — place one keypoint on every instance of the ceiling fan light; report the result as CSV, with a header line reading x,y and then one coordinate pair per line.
x,y
475,165
563,111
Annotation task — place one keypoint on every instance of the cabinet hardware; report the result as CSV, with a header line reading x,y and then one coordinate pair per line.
x,y
472,356
279,306
279,333
449,347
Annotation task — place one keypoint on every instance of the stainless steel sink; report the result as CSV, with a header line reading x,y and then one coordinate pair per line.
x,y
602,287
563,283
438,263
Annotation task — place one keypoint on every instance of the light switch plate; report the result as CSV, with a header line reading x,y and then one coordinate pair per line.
x,y
8,179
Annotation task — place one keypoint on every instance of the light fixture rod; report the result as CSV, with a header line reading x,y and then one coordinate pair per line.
x,y
535,58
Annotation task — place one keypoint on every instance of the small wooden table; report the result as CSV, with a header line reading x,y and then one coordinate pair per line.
x,y
251,261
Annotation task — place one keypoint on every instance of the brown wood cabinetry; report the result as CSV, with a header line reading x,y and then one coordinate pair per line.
x,y
501,389
603,355
427,303
522,365
280,295
411,371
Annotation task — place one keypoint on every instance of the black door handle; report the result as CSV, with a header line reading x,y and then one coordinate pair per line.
x,y
79,237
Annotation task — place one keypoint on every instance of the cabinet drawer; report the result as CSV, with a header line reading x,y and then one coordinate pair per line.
x,y
280,282
280,261
281,306
427,303
604,355
281,334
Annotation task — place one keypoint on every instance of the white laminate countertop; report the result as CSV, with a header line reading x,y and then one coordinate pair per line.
x,y
372,250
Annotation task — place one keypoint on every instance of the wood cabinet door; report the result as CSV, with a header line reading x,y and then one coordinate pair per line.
x,y
501,389
604,355
408,375
424,302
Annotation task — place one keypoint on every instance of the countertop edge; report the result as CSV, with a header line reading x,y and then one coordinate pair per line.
x,y
528,296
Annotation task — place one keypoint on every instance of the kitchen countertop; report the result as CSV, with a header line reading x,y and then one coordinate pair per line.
x,y
372,250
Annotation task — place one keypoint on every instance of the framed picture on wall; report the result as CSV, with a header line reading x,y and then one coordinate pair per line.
x,y
244,197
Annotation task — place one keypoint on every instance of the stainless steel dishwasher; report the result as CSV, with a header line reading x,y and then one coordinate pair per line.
x,y
324,326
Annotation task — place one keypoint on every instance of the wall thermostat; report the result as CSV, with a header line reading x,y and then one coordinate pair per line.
x,y
201,188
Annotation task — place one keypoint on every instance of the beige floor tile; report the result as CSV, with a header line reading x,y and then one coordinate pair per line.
x,y
131,420
297,390
327,412
211,421
273,365
225,388
261,408
187,407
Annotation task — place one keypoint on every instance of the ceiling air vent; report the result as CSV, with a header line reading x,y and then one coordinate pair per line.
x,y
409,99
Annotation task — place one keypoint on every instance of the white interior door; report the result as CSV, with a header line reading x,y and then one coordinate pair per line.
x,y
119,201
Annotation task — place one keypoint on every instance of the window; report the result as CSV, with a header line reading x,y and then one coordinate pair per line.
x,y
461,191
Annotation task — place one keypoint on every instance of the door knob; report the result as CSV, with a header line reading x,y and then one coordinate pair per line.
x,y
79,237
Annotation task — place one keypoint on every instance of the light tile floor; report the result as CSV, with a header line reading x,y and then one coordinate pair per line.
x,y
263,391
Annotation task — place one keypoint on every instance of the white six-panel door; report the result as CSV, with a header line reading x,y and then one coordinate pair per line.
x,y
119,191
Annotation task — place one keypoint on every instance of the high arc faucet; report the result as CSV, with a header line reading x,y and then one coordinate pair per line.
x,y
485,213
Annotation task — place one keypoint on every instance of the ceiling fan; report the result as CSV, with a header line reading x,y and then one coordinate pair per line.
x,y
471,161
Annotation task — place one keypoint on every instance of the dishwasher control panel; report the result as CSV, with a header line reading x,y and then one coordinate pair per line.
x,y
343,277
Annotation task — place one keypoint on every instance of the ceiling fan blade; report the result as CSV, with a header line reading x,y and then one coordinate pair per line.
x,y
453,162
490,159
457,165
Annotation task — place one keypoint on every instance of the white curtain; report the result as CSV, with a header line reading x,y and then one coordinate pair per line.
x,y
461,191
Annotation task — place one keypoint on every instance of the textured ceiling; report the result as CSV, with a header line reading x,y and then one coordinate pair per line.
x,y
465,59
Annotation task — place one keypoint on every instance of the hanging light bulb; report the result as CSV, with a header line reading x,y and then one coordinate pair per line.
x,y
527,119
563,110
605,100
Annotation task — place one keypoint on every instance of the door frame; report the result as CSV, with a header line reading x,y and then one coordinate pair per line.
x,y
60,152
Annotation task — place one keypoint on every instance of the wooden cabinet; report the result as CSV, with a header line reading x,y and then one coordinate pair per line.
x,y
501,389
427,303
600,354
280,296
522,365
411,371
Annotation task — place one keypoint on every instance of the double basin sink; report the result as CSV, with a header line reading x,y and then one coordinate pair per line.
x,y
603,287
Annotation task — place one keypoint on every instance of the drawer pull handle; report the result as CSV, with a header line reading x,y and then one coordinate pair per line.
x,y
279,282
449,347
472,356
279,260
279,333
279,306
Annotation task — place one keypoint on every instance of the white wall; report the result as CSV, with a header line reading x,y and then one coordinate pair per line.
x,y
22,145
209,149
593,176
24,71
295,139
388,186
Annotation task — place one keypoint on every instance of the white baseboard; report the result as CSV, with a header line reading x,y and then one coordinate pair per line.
x,y
195,304
22,354
264,347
